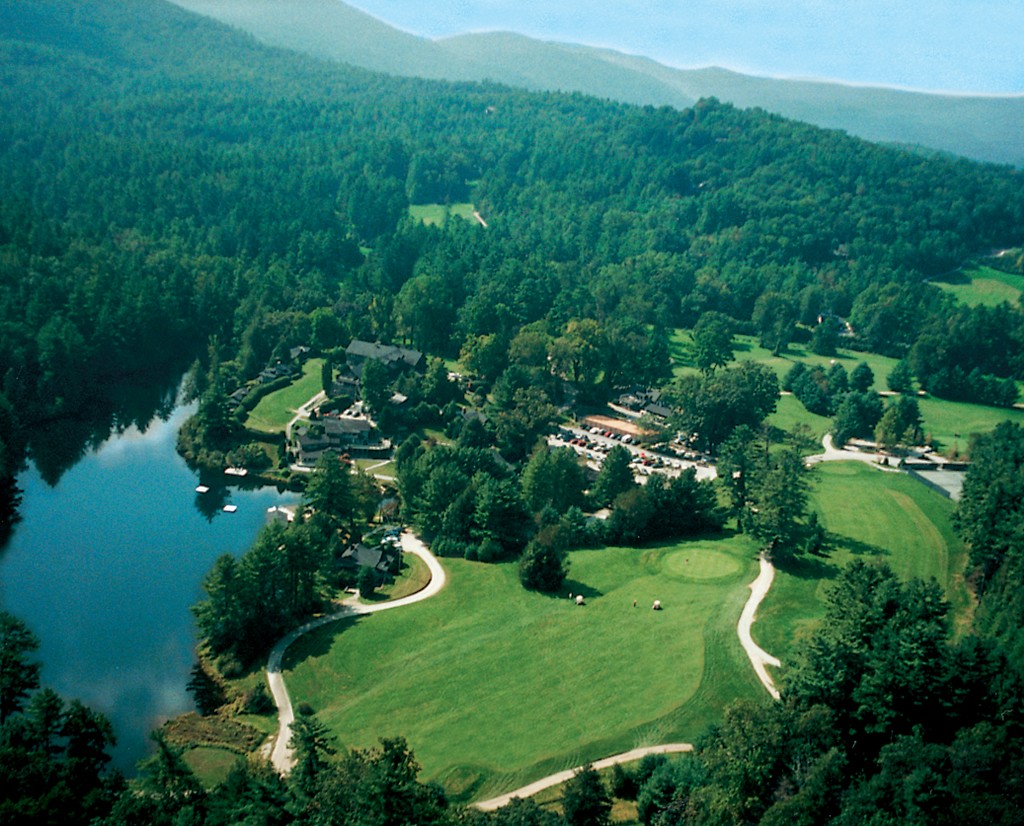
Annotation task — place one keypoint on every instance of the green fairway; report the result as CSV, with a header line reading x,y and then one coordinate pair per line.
x,y
276,409
951,424
495,686
979,285
870,515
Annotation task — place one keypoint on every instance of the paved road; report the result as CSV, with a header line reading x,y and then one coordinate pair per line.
x,y
281,754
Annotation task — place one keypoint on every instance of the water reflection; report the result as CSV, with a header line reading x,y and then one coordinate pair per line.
x,y
110,555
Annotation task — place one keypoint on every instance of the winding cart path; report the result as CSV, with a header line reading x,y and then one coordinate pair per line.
x,y
281,754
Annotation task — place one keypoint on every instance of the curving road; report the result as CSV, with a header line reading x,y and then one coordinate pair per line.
x,y
281,754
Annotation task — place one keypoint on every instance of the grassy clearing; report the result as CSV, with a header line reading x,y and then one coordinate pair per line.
x,y
494,686
943,419
438,214
980,285
275,410
869,515
210,765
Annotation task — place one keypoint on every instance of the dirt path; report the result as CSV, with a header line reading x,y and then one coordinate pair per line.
x,y
561,777
759,658
281,753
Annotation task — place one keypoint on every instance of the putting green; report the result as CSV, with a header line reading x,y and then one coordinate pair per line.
x,y
705,565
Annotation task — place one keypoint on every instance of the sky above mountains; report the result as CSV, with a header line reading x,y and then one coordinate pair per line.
x,y
939,45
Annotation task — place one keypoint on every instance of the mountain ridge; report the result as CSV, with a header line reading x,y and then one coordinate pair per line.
x,y
983,127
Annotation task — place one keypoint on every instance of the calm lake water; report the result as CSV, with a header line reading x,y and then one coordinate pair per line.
x,y
105,564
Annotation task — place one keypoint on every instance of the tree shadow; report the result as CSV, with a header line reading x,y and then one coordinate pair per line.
x,y
317,642
811,566
856,546
574,587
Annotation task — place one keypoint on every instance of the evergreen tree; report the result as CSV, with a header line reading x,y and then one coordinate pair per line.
x,y
585,801
614,478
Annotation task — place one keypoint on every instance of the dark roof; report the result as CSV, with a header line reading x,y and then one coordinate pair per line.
x,y
387,353
360,555
345,424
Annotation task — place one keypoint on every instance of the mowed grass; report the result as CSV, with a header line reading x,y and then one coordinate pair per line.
x,y
438,214
980,285
276,409
949,424
869,515
211,765
494,686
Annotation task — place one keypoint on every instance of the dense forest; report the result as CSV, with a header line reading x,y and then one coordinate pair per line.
x,y
173,193
167,183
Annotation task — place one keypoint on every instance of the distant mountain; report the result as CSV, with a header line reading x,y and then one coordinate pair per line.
x,y
987,128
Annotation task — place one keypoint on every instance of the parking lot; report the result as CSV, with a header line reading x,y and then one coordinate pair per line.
x,y
593,444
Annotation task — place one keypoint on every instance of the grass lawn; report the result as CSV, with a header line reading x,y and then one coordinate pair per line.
x,y
981,285
943,419
377,467
276,409
869,515
438,214
211,765
494,686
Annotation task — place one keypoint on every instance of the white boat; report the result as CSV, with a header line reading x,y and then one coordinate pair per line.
x,y
235,471
230,508
202,489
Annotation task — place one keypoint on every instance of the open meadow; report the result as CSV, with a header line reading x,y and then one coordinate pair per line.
x,y
495,686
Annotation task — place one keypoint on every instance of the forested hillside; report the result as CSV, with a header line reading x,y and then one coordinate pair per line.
x,y
983,127
165,180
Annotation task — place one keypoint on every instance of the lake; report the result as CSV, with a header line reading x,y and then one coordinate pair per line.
x,y
107,561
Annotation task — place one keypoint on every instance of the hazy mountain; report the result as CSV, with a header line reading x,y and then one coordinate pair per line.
x,y
982,127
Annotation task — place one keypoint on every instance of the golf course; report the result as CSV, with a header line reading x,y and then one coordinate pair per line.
x,y
495,686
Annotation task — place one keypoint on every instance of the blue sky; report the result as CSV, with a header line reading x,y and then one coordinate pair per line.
x,y
939,45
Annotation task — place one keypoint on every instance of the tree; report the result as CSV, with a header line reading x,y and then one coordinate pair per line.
x,y
774,317
862,378
857,416
711,407
312,744
543,566
900,424
366,582
553,478
825,338
329,494
376,386
485,356
327,376
585,801
614,478
777,499
207,693
900,378
712,342
18,674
